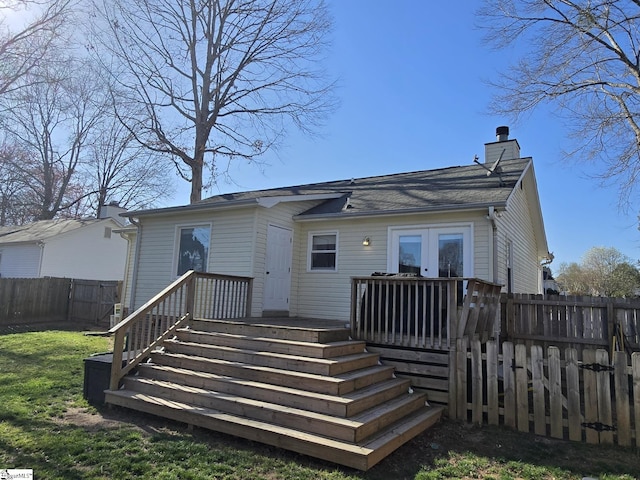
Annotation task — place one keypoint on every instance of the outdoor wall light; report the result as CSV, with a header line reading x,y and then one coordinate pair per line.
x,y
366,241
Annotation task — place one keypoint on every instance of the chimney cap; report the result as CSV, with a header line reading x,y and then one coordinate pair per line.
x,y
502,133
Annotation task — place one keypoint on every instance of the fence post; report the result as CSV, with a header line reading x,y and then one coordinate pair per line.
x,y
611,324
509,316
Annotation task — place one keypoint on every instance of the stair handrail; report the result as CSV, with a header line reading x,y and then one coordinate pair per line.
x,y
122,329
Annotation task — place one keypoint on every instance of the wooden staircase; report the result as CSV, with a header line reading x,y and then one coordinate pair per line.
x,y
307,389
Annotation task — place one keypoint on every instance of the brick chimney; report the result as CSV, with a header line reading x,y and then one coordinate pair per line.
x,y
502,148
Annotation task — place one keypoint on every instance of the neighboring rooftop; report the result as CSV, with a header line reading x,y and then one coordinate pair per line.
x,y
41,230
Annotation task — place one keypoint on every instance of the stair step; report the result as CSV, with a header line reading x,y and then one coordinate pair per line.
x,y
319,366
274,345
343,406
297,396
262,328
361,456
335,385
354,429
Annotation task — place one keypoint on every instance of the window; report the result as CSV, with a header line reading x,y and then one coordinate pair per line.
x,y
193,248
450,255
323,249
410,254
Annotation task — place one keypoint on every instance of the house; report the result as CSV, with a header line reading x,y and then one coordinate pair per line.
x,y
303,244
88,249
344,365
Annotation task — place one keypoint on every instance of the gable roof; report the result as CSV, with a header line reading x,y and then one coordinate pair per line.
x,y
42,230
452,188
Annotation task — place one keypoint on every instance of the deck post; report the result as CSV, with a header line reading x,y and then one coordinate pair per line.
x,y
191,294
116,365
453,368
249,299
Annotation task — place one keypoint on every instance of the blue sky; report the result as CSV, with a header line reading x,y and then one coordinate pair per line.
x,y
412,85
413,96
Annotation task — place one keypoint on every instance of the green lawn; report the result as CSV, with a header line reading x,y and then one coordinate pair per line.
x,y
47,426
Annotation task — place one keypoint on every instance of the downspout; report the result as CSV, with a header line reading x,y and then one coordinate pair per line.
x,y
494,244
41,245
136,256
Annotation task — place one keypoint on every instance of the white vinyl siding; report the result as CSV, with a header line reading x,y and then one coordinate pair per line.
x,y
20,261
329,296
515,225
230,252
85,253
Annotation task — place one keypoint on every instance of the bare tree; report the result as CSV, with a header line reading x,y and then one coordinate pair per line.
x,y
217,79
52,120
603,271
14,204
120,170
582,57
22,48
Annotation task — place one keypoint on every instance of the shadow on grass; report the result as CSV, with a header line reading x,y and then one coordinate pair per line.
x,y
443,443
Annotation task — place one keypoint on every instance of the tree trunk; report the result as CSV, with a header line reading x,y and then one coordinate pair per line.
x,y
196,181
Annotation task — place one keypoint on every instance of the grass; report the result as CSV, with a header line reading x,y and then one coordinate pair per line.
x,y
47,426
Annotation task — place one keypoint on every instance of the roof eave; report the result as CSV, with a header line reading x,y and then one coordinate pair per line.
x,y
263,201
404,211
191,208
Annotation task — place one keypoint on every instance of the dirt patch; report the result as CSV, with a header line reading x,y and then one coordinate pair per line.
x,y
91,421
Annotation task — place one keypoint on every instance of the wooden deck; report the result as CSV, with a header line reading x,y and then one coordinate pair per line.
x,y
296,383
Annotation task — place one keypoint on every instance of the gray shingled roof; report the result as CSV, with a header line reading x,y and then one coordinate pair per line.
x,y
41,230
446,188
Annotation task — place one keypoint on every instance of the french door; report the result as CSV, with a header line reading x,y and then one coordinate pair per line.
x,y
431,251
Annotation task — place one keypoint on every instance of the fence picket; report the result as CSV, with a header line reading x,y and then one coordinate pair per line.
x,y
623,416
522,388
493,412
555,393
477,381
537,375
590,396
605,415
573,394
461,384
509,384
635,369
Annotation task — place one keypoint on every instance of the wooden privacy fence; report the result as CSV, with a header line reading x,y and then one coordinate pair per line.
x,y
33,300
92,301
558,393
29,301
578,322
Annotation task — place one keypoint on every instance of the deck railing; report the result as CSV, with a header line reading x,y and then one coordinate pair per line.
x,y
193,295
421,312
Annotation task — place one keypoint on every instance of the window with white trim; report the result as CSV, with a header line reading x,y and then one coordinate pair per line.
x,y
192,248
323,251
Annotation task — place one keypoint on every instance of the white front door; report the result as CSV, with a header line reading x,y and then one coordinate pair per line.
x,y
277,283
